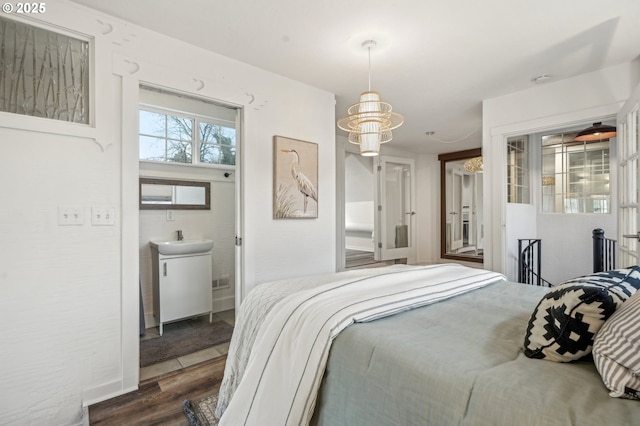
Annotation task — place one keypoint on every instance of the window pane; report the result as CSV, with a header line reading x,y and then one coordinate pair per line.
x,y
48,73
178,151
152,123
179,128
209,153
228,155
217,144
152,149
228,136
517,170
579,172
209,132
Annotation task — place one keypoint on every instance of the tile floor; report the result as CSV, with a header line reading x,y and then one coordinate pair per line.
x,y
190,359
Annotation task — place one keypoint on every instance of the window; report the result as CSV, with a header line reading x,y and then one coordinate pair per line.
x,y
169,136
43,73
218,144
518,170
165,137
575,175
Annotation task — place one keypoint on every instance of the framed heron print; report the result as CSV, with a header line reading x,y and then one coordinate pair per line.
x,y
295,179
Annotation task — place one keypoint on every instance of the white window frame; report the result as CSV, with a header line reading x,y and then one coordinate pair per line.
x,y
563,174
195,135
519,193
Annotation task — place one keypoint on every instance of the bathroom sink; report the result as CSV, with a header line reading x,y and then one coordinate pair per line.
x,y
182,247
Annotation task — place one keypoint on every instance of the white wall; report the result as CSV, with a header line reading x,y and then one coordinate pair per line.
x,y
69,295
520,224
428,209
579,100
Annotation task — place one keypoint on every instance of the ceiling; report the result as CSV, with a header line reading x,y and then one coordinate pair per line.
x,y
435,61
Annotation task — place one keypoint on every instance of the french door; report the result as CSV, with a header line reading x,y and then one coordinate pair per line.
x,y
455,209
395,212
628,164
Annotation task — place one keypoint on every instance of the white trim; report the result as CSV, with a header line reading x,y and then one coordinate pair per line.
x,y
104,392
223,304
130,237
341,153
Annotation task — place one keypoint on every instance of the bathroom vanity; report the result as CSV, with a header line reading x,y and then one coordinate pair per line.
x,y
181,280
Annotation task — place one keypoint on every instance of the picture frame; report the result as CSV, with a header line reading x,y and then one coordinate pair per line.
x,y
295,179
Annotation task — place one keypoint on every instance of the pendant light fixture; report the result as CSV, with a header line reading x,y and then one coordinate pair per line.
x,y
474,165
370,121
597,132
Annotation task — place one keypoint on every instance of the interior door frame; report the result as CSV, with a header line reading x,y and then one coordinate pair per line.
x,y
381,252
130,217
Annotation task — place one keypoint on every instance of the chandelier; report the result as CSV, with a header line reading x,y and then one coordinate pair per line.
x,y
474,165
370,121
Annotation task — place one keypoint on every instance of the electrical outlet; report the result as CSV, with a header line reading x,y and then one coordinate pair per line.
x,y
70,215
103,215
170,216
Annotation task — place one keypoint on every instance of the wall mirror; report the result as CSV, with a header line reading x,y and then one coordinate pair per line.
x,y
461,219
172,194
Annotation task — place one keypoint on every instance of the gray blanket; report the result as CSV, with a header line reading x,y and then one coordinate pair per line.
x,y
460,362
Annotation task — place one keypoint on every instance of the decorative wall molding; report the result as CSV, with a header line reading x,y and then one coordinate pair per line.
x,y
46,126
217,89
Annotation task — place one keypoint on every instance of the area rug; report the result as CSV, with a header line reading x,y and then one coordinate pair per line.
x,y
182,338
201,412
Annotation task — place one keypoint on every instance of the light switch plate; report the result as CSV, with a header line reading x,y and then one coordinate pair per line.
x,y
103,215
70,215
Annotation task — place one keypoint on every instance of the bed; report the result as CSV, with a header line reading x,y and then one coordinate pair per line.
x,y
437,345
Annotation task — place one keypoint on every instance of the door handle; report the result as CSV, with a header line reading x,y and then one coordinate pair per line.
x,y
411,213
636,235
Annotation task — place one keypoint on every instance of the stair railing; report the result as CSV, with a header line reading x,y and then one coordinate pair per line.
x,y
529,262
604,251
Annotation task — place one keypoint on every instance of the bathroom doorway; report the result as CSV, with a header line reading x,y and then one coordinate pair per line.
x,y
196,141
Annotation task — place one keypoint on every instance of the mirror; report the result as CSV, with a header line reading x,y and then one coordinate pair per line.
x,y
171,194
461,224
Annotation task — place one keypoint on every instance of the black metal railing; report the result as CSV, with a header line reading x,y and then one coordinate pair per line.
x,y
529,262
604,251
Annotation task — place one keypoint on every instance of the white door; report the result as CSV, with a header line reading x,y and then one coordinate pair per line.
x,y
395,212
628,164
455,209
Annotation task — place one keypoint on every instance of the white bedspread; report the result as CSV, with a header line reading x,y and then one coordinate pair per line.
x,y
287,360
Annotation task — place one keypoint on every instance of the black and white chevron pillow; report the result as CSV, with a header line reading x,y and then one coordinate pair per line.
x,y
563,325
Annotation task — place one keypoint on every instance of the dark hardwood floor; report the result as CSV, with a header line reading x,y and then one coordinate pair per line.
x,y
158,401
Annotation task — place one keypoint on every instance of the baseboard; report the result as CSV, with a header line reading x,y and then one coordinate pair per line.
x,y
224,304
104,392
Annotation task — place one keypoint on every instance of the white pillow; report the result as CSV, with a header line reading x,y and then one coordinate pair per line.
x,y
616,350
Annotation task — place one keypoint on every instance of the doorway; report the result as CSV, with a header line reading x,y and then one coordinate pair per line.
x,y
195,140
359,211
376,236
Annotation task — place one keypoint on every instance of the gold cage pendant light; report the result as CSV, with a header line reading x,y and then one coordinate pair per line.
x,y
370,121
